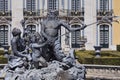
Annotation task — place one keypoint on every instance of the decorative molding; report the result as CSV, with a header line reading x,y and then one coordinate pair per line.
x,y
105,22
76,20
31,20
4,21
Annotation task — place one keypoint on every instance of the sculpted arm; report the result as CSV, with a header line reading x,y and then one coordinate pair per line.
x,y
38,45
67,26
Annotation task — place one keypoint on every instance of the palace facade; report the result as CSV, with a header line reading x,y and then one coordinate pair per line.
x,y
74,12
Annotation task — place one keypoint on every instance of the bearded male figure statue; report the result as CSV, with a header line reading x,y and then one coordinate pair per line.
x,y
50,31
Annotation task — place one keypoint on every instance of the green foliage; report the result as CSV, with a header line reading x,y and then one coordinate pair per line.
x,y
118,47
3,60
1,52
107,57
108,61
103,61
82,55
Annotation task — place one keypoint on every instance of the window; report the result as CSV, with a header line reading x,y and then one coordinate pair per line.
x,y
104,5
62,4
30,5
4,5
32,28
77,8
75,37
77,5
53,4
3,34
104,36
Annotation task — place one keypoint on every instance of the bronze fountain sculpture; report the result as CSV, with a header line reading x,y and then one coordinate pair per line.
x,y
38,56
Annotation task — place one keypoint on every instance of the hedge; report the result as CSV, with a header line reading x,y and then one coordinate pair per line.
x,y
3,60
107,57
118,47
2,52
103,61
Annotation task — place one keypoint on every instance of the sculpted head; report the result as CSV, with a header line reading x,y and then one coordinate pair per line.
x,y
16,32
52,14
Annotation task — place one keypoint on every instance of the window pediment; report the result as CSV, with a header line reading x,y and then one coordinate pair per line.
x,y
76,20
4,21
31,20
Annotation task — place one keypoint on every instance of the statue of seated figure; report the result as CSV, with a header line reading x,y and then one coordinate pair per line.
x,y
19,56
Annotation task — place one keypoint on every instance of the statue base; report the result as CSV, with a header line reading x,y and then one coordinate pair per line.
x,y
55,71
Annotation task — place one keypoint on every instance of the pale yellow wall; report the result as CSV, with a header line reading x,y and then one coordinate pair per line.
x,y
116,26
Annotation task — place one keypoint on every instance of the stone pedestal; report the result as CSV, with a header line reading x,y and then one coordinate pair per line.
x,y
97,50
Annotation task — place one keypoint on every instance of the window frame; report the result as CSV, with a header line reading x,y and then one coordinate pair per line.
x,y
31,6
5,35
104,29
4,5
53,4
32,28
76,44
